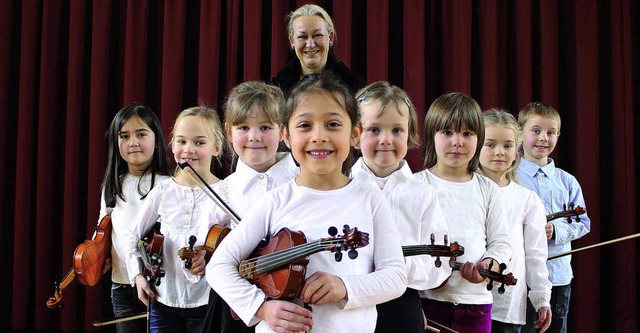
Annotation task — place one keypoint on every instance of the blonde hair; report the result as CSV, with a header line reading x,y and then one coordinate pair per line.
x,y
538,109
211,123
246,96
310,10
386,93
502,118
452,110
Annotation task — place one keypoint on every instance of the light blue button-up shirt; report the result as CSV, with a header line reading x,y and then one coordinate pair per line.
x,y
556,188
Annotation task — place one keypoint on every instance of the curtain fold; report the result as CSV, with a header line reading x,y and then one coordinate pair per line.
x,y
68,66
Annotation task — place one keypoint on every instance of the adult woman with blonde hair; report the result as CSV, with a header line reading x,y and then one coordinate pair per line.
x,y
311,36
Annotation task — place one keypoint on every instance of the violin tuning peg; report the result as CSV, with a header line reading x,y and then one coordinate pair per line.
x,y
192,240
446,240
501,289
346,229
490,285
433,239
438,262
572,205
333,231
503,266
353,254
338,256
564,206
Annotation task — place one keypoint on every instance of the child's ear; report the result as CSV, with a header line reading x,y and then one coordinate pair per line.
x,y
355,135
284,135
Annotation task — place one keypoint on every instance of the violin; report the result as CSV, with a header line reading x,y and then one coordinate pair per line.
x,y
568,213
508,279
279,267
150,248
88,262
454,250
214,237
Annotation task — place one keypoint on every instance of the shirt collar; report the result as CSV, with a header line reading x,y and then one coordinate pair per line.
x,y
281,172
403,173
531,168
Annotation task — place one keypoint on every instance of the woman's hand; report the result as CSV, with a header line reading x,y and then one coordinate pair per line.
x,y
283,316
470,272
145,292
198,264
322,288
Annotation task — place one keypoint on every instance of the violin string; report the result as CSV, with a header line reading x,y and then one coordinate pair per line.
x,y
273,260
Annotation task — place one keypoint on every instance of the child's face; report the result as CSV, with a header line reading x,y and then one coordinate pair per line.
x,y
255,140
455,150
193,144
499,150
320,135
136,143
540,136
385,136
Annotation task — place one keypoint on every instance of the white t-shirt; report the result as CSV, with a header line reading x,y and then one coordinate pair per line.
x,y
122,214
526,222
477,221
417,214
179,209
360,205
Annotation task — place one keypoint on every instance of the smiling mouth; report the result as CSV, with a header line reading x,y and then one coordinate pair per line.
x,y
312,52
319,153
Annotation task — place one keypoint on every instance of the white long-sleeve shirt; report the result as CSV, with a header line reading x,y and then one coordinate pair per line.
x,y
244,187
122,214
358,204
526,222
417,214
477,221
179,209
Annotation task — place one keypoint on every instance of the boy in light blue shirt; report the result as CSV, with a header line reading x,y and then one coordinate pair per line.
x,y
541,128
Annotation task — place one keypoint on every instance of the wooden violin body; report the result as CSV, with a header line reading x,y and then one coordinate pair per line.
x,y
89,259
150,248
285,282
279,267
214,237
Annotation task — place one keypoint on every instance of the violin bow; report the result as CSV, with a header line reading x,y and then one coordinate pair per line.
x,y
210,192
431,321
120,320
594,246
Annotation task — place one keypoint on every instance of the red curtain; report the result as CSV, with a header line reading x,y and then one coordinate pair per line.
x,y
66,67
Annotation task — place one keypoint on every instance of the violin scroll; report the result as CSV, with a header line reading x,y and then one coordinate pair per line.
x,y
568,213
350,240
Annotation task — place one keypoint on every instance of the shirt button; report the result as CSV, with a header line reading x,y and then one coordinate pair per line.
x,y
261,176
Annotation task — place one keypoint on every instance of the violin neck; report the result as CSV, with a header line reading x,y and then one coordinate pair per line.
x,y
272,261
415,250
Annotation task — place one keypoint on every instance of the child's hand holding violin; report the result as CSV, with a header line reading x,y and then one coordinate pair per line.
x,y
549,230
198,264
145,293
471,272
322,288
283,316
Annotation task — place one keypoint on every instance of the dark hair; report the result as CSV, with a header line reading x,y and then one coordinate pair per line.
x,y
451,111
116,166
325,82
